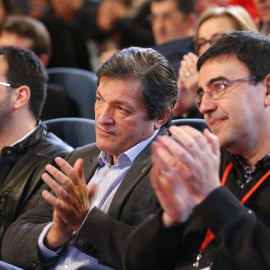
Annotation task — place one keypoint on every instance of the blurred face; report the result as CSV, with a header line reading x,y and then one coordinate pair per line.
x,y
212,29
2,12
5,96
235,117
121,116
167,21
263,7
11,39
61,6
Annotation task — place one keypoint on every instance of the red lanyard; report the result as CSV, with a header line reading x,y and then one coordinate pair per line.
x,y
209,235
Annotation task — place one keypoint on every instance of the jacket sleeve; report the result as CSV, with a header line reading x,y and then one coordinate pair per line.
x,y
19,246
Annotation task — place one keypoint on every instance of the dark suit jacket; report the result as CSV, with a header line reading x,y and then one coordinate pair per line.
x,y
175,50
102,235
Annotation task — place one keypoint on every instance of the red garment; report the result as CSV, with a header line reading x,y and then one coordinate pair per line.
x,y
248,5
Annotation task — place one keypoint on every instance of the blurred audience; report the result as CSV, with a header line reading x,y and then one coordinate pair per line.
x,y
213,24
28,33
263,7
124,24
6,7
173,25
67,25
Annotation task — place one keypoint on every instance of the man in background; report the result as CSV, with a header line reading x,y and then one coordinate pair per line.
x,y
173,25
31,34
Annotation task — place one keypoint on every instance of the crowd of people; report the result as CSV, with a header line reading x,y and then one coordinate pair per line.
x,y
147,194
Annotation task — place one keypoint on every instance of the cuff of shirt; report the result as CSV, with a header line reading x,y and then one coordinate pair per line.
x,y
45,253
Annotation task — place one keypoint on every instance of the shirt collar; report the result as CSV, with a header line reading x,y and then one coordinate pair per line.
x,y
25,136
260,165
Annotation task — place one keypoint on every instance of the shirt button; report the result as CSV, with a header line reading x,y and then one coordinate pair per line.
x,y
80,242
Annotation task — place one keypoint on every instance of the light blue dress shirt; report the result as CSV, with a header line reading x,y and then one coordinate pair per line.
x,y
108,177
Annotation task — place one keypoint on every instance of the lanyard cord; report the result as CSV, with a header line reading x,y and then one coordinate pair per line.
x,y
209,235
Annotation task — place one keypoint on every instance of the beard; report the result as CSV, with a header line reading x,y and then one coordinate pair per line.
x,y
5,111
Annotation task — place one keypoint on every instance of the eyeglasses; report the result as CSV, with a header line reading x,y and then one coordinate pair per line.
x,y
214,39
5,84
216,89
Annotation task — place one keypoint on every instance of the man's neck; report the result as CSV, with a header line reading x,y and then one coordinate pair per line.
x,y
253,156
13,133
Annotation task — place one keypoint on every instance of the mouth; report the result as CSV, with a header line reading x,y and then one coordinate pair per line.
x,y
105,132
214,123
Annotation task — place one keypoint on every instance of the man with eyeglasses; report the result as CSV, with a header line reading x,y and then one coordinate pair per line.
x,y
215,202
26,146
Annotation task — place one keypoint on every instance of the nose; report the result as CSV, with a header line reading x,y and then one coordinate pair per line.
x,y
159,22
207,104
104,115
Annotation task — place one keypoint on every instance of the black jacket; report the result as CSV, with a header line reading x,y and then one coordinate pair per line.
x,y
242,239
21,167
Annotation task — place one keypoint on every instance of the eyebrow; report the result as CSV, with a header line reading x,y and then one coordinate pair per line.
x,y
220,78
98,93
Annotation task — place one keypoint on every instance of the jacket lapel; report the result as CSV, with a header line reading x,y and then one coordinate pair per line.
x,y
90,165
135,174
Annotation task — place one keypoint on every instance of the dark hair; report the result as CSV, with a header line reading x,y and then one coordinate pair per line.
x,y
25,68
252,49
9,6
185,6
159,83
31,28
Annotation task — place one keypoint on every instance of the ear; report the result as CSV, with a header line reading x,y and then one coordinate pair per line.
x,y
162,119
267,95
44,59
21,97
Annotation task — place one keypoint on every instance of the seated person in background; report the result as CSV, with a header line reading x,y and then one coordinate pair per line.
x,y
137,89
28,33
7,7
173,24
263,7
215,205
213,24
26,147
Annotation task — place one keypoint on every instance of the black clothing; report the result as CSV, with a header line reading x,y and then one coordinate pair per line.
x,y
175,50
241,232
21,167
